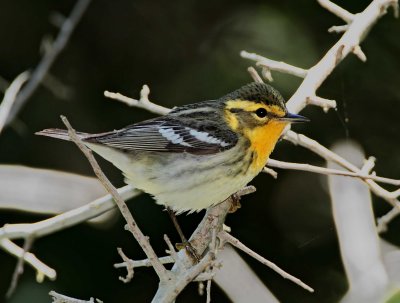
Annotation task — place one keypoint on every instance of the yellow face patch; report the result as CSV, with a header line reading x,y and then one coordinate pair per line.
x,y
263,140
251,106
262,136
232,120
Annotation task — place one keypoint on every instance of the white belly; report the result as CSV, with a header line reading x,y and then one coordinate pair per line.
x,y
182,181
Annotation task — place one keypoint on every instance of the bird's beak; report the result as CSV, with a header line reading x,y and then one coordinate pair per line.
x,y
293,118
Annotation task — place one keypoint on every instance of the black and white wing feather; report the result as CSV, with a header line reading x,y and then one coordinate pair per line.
x,y
166,134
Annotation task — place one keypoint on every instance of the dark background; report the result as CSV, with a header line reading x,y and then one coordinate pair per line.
x,y
188,51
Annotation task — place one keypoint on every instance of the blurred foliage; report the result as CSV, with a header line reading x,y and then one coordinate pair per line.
x,y
188,51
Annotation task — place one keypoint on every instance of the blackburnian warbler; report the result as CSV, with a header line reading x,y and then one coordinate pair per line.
x,y
198,154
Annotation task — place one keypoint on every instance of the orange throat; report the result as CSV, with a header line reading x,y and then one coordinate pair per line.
x,y
263,140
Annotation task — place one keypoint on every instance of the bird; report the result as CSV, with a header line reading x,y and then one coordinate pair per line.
x,y
199,154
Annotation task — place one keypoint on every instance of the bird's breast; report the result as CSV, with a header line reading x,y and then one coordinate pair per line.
x,y
263,140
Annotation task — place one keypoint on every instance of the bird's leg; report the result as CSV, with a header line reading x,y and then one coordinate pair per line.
x,y
235,198
185,243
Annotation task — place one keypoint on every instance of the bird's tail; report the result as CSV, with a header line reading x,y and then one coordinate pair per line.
x,y
59,134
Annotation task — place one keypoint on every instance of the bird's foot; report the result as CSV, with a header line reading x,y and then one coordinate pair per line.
x,y
190,250
235,198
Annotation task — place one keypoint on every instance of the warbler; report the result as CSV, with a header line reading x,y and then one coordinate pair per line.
x,y
198,154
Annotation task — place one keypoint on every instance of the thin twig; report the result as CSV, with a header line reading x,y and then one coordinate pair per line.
x,y
42,270
357,30
270,171
186,277
49,57
59,298
328,155
19,268
359,53
200,240
325,104
129,267
67,219
338,29
10,97
329,171
208,291
337,10
256,77
144,262
235,242
383,222
143,102
275,65
171,249
162,273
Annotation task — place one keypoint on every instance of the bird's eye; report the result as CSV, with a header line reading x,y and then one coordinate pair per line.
x,y
261,112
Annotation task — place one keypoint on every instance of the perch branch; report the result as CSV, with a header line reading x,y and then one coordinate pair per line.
x,y
200,240
144,242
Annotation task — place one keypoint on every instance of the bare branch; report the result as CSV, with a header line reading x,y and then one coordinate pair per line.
x,y
369,165
49,57
383,222
235,242
329,171
10,97
337,10
256,77
208,291
313,78
162,273
171,249
271,172
275,65
42,270
143,102
357,31
67,219
144,262
328,155
326,104
59,298
19,268
338,29
359,53
129,266
200,239
185,278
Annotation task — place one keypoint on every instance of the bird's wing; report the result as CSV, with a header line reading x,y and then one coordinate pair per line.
x,y
165,134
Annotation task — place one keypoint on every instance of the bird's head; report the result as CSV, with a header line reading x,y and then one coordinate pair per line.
x,y
257,105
